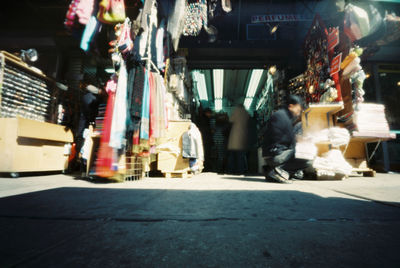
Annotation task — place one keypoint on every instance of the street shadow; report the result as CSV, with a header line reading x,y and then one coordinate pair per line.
x,y
143,227
245,178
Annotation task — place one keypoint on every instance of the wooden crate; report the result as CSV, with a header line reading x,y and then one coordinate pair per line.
x,y
167,162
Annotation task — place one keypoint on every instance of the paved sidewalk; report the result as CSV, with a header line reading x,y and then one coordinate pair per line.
x,y
206,221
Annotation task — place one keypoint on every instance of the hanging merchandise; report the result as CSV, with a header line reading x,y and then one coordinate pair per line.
x,y
124,42
144,127
145,14
226,5
118,125
84,10
196,17
152,104
145,42
111,11
160,45
71,14
105,153
92,27
176,22
350,64
356,22
357,81
316,48
330,94
160,111
192,143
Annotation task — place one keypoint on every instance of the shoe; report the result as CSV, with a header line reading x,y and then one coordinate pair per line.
x,y
298,175
273,175
283,173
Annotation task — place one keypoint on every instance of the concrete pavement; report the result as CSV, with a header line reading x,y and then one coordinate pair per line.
x,y
206,221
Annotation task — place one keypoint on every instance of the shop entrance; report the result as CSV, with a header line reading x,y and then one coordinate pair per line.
x,y
231,107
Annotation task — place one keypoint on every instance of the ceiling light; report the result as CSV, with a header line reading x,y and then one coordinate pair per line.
x,y
272,70
398,84
274,29
200,83
367,75
247,103
218,75
261,102
254,81
218,105
253,86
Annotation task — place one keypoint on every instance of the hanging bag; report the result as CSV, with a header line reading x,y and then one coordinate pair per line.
x,y
196,17
111,11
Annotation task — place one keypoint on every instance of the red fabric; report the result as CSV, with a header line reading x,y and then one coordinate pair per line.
x,y
105,154
153,102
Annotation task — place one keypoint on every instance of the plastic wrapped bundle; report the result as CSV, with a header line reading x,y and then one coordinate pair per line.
x,y
332,163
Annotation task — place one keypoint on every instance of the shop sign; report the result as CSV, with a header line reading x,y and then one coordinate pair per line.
x,y
278,18
333,38
335,64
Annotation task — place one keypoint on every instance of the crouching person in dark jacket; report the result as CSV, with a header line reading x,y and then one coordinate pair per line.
x,y
280,143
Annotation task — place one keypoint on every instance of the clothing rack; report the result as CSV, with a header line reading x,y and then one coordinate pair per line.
x,y
149,63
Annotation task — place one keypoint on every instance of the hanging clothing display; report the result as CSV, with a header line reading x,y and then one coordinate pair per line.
x,y
134,121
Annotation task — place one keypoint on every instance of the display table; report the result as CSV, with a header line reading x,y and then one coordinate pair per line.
x,y
320,116
357,154
27,145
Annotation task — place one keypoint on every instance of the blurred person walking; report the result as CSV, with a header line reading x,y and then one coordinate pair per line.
x,y
238,142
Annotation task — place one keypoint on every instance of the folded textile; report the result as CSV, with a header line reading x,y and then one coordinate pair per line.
x,y
333,162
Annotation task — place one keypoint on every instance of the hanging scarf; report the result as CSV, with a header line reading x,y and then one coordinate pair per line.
x,y
144,127
92,27
130,102
118,125
105,153
153,107
137,102
160,45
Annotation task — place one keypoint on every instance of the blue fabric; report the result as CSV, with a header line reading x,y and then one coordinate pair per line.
x,y
145,126
88,33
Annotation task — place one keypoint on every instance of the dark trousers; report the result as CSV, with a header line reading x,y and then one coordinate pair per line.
x,y
286,160
237,162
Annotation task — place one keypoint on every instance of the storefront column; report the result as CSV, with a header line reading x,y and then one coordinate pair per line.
x,y
377,84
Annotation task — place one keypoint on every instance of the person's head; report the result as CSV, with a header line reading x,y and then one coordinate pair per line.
x,y
294,105
208,112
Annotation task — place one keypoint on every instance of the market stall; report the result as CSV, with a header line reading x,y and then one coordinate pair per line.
x,y
333,89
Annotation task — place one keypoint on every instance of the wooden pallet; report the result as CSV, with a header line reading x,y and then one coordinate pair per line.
x,y
183,175
365,172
